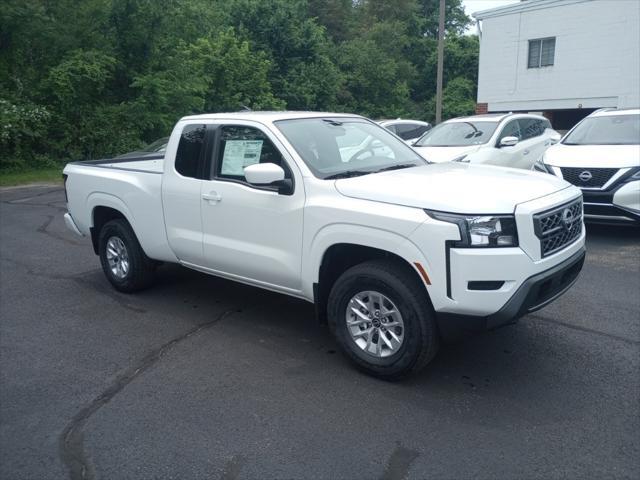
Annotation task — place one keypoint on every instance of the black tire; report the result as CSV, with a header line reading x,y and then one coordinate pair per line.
x,y
141,271
400,285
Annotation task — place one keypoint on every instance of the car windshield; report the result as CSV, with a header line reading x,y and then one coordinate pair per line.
x,y
340,147
158,146
458,134
606,130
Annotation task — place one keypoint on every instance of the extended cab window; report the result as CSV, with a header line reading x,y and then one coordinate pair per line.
x,y
243,146
188,157
531,127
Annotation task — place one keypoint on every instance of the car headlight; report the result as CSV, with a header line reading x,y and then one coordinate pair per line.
x,y
540,166
461,158
635,175
482,230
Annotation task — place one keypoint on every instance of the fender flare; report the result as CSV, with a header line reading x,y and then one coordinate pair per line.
x,y
345,233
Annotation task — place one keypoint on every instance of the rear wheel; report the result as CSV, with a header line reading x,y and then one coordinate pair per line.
x,y
382,319
123,261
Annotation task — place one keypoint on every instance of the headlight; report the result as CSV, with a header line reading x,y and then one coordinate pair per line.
x,y
461,158
482,230
540,166
633,176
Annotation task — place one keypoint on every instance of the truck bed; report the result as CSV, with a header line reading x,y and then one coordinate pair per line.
x,y
146,163
132,186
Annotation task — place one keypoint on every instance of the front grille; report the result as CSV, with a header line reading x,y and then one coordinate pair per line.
x,y
558,227
588,177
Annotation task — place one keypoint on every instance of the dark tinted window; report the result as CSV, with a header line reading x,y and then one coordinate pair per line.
x,y
392,128
531,127
244,146
407,131
511,129
189,152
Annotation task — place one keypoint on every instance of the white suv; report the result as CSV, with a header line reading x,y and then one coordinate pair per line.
x,y
507,140
407,130
601,155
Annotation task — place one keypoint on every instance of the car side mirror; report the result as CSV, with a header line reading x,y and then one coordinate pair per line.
x,y
555,137
268,174
263,173
509,141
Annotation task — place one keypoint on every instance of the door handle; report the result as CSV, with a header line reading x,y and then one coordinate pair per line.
x,y
526,152
212,197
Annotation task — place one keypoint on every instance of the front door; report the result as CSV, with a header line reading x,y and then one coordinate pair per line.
x,y
252,233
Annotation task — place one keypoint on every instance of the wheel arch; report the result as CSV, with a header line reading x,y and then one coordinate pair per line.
x,y
338,257
100,215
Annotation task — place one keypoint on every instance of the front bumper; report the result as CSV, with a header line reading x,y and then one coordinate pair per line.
x,y
617,205
533,294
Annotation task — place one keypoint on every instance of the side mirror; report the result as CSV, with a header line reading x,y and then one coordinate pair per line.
x,y
263,173
268,174
509,141
555,137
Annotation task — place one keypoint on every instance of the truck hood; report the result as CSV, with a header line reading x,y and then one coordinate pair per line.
x,y
444,154
453,187
593,156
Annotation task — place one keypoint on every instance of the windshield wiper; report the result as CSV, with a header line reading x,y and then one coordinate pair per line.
x,y
396,167
347,174
330,121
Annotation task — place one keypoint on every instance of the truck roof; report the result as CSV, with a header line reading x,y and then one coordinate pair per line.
x,y
270,116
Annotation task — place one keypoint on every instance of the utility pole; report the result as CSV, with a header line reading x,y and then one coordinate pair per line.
x,y
440,64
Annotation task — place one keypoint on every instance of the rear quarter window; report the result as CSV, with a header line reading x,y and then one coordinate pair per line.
x,y
190,150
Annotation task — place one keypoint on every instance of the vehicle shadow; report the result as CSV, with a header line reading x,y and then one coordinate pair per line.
x,y
617,233
518,368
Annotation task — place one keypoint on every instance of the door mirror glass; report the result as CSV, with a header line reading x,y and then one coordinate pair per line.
x,y
509,141
263,173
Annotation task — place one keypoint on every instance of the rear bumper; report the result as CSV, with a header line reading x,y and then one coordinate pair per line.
x,y
533,294
71,225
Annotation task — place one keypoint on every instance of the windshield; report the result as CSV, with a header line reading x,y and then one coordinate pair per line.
x,y
606,130
158,146
332,147
458,134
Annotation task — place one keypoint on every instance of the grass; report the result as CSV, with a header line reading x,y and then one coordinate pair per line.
x,y
45,175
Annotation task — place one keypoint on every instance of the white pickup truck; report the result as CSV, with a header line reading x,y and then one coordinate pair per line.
x,y
396,253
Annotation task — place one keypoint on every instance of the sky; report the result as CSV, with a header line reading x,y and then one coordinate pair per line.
x,y
471,6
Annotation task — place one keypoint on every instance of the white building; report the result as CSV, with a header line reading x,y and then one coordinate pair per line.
x,y
564,58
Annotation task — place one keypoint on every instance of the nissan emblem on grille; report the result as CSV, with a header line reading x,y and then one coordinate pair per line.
x,y
585,176
559,227
567,218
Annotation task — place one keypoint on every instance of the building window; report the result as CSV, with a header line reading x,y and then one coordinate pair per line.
x,y
542,52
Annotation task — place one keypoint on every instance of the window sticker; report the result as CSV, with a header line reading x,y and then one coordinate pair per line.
x,y
239,154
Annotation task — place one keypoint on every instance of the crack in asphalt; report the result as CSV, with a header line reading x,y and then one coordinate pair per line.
x,y
44,228
29,269
37,195
587,330
71,442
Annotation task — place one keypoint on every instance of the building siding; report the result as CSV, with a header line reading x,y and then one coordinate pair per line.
x,y
597,57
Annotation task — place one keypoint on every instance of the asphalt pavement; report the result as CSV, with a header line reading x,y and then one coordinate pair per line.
x,y
202,378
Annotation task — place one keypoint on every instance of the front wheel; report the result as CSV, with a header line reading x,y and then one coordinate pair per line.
x,y
382,319
123,261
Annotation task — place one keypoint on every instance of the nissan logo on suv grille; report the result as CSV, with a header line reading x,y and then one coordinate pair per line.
x,y
585,176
